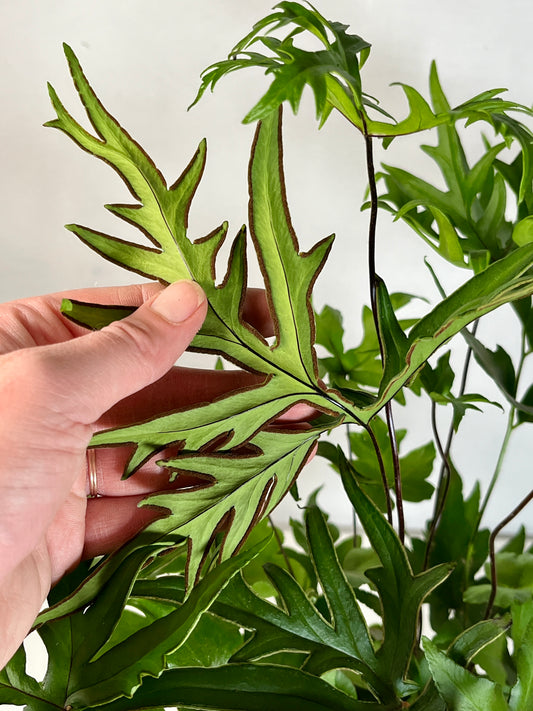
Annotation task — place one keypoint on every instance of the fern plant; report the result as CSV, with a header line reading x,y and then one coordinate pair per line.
x,y
335,623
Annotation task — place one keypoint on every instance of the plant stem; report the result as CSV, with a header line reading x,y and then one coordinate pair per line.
x,y
350,459
382,472
372,225
373,303
397,472
499,463
443,485
492,555
507,436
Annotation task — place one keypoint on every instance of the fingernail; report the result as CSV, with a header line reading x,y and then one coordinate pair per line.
x,y
179,301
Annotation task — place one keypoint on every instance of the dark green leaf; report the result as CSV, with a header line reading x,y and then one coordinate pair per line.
x,y
416,465
20,689
119,670
475,638
401,592
243,687
522,633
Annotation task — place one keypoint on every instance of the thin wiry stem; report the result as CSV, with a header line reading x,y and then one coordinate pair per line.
x,y
382,471
443,485
350,459
373,302
492,553
397,473
507,436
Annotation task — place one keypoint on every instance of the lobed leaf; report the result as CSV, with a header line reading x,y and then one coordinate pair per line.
x,y
401,592
469,218
246,687
461,690
219,429
119,670
338,638
500,283
238,497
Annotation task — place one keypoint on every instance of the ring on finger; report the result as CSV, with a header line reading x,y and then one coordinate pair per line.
x,y
92,474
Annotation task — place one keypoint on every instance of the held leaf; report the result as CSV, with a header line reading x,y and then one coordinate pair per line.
x,y
221,429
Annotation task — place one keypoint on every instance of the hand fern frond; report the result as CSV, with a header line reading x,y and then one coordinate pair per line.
x,y
249,486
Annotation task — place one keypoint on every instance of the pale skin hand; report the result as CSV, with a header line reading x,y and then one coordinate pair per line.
x,y
58,385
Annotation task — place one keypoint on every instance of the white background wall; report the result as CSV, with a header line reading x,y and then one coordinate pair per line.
x,y
144,60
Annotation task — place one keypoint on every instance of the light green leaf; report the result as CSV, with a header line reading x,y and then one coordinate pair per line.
x,y
449,244
461,690
292,67
237,497
468,218
289,364
332,73
94,316
523,231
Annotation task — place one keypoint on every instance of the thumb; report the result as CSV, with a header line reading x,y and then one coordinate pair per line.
x,y
106,366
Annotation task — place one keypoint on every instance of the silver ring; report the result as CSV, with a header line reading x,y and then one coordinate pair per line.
x,y
91,467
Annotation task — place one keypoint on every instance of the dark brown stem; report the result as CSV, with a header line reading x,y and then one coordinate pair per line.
x,y
443,485
492,553
397,473
350,459
372,225
382,472
373,302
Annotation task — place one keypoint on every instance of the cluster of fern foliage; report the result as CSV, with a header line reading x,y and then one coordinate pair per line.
x,y
207,608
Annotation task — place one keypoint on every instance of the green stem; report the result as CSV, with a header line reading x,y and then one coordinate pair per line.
x,y
507,436
499,463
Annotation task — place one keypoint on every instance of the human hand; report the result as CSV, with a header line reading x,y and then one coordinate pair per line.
x,y
58,384
55,386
